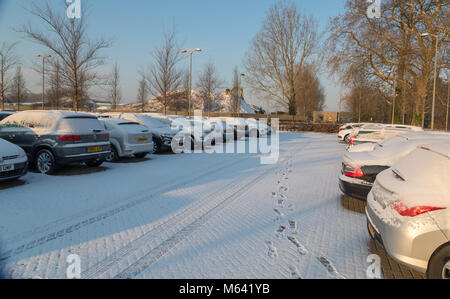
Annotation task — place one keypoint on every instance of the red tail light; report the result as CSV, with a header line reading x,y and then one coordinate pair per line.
x,y
353,172
69,137
107,136
405,211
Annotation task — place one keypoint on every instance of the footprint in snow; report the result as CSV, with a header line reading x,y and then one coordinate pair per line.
x,y
272,249
300,248
294,272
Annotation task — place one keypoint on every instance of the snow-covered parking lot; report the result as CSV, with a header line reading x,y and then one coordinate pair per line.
x,y
193,216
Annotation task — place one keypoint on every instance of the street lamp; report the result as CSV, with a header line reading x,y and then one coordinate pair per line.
x,y
190,52
435,75
43,75
393,97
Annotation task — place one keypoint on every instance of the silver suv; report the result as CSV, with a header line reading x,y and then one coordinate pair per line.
x,y
55,138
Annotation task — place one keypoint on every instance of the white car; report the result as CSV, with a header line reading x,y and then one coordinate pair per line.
x,y
379,133
127,139
13,161
360,169
408,136
408,210
162,129
348,130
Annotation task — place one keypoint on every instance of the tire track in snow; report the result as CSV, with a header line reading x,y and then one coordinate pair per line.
x,y
97,218
157,253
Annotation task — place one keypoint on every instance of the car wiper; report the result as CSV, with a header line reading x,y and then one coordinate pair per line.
x,y
399,174
97,131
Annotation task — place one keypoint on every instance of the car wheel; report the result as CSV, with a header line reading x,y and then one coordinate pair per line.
x,y
347,138
113,156
439,265
96,163
45,162
156,145
140,155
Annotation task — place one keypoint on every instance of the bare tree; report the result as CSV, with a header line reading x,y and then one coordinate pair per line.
x,y
310,95
18,90
142,95
114,87
208,84
164,77
396,41
286,40
8,59
68,40
55,82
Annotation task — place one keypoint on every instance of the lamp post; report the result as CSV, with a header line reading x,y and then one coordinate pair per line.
x,y
43,75
448,106
393,97
190,52
435,76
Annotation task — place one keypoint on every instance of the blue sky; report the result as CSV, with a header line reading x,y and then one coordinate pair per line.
x,y
223,28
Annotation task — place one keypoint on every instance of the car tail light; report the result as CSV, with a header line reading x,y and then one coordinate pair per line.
x,y
107,136
69,137
405,211
353,172
352,141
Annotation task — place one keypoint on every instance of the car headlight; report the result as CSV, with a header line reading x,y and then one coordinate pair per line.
x,y
22,154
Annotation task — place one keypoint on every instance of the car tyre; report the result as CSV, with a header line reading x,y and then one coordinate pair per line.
x,y
113,156
347,138
439,265
45,162
156,145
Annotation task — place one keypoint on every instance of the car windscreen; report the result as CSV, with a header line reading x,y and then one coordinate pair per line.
x,y
4,115
153,122
80,124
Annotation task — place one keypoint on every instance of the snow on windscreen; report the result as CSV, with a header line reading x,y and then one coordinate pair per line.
x,y
427,175
37,121
80,125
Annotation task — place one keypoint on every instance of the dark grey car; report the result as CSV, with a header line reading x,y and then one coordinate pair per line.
x,y
55,138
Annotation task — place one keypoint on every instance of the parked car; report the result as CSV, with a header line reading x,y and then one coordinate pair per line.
x,y
5,113
127,139
13,161
196,133
161,129
235,127
346,131
377,134
256,128
408,210
55,138
360,169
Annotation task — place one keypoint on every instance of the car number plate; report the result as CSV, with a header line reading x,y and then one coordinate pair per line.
x,y
95,149
7,168
142,139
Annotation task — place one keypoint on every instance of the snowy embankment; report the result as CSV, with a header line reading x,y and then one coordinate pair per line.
x,y
189,216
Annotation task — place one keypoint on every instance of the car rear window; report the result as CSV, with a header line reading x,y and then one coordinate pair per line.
x,y
428,167
80,124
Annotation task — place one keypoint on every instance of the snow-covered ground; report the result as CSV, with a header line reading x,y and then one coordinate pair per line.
x,y
190,216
